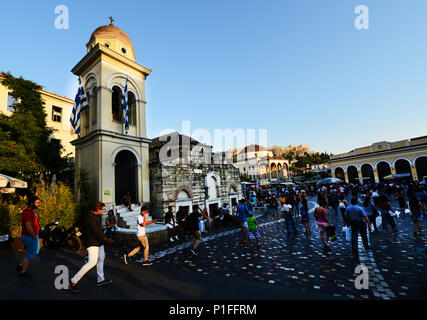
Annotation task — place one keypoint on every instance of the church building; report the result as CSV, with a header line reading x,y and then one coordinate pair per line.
x,y
116,160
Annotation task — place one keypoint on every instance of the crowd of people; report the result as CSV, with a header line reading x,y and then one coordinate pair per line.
x,y
367,202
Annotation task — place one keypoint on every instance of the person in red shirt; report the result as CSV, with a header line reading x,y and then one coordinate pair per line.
x,y
29,235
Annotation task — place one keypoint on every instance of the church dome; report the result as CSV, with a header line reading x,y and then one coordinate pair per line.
x,y
113,38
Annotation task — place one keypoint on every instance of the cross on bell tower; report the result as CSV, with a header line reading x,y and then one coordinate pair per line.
x,y
111,21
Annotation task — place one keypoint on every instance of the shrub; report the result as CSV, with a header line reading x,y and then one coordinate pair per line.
x,y
57,203
10,221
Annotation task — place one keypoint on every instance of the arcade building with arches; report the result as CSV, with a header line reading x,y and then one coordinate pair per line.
x,y
382,159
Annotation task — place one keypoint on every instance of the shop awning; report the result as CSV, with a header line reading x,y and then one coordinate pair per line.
x,y
9,182
397,176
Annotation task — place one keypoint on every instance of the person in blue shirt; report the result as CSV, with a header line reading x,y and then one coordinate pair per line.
x,y
358,220
422,197
242,213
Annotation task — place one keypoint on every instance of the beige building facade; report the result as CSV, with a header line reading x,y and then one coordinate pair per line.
x,y
58,110
382,159
116,161
259,163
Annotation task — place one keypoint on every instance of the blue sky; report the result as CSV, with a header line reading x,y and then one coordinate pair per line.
x,y
299,68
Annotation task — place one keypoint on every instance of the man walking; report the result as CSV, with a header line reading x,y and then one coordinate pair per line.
x,y
243,212
94,238
289,217
29,235
193,226
170,224
356,218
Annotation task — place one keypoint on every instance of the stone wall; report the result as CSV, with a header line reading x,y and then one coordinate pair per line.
x,y
168,181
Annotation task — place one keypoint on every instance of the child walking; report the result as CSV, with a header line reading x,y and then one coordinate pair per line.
x,y
253,229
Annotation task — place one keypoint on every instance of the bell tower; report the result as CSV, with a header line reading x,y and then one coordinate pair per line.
x,y
117,162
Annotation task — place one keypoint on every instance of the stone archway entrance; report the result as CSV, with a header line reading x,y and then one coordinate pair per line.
x,y
125,172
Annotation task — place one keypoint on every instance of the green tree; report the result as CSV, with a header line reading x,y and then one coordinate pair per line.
x,y
26,149
84,195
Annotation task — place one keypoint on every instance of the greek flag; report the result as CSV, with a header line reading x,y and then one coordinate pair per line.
x,y
81,103
125,108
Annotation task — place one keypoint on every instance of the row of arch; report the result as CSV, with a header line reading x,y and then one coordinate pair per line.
x,y
384,168
274,170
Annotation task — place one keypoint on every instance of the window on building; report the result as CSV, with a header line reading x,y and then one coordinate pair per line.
x,y
56,114
56,142
116,104
132,108
11,101
93,105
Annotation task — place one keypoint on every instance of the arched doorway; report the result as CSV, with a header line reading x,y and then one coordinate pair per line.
x,y
126,171
353,175
421,167
403,166
213,203
367,172
183,202
339,173
383,169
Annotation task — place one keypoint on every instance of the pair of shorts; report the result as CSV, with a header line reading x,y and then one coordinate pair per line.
x,y
30,247
417,217
254,234
244,224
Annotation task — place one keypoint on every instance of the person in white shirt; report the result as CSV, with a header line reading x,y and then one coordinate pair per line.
x,y
142,237
289,219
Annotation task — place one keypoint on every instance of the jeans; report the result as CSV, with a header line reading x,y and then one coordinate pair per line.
x,y
96,257
290,223
296,209
109,233
356,228
335,207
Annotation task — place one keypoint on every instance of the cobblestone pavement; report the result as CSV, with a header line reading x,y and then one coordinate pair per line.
x,y
397,266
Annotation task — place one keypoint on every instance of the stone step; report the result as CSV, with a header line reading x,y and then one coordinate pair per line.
x,y
127,217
